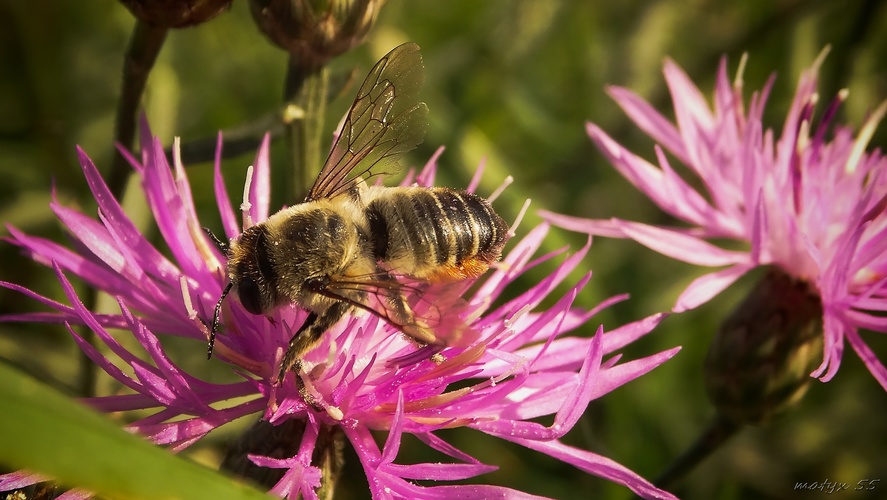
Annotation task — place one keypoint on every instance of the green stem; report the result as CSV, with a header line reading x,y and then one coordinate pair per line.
x,y
306,94
716,434
141,54
144,45
239,140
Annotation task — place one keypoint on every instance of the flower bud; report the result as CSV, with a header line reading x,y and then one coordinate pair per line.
x,y
315,31
281,442
759,362
176,13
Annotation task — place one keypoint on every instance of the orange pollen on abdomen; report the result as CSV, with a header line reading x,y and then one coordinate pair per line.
x,y
467,269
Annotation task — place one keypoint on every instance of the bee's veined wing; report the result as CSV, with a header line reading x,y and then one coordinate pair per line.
x,y
385,121
429,314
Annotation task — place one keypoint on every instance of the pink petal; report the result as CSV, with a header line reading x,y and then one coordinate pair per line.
x,y
679,245
478,174
682,200
595,464
626,334
868,357
693,115
95,237
650,121
758,228
439,471
598,227
177,380
75,494
623,373
392,442
834,331
513,264
702,289
105,364
436,443
19,479
223,201
572,408
66,310
869,321
115,218
545,326
121,402
426,176
398,488
47,252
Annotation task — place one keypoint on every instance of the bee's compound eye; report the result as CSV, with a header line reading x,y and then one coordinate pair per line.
x,y
249,295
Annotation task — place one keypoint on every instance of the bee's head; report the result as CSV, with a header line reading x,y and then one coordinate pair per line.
x,y
250,275
251,271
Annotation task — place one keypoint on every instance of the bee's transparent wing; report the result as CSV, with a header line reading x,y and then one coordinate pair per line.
x,y
385,121
429,314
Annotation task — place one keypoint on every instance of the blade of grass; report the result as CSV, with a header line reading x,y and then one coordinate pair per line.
x,y
44,431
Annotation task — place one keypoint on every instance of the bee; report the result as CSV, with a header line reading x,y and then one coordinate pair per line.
x,y
351,246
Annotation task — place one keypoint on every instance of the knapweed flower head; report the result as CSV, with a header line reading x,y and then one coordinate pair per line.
x,y
364,376
809,202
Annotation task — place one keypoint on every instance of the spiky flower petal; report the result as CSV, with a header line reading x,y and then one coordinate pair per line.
x,y
810,201
364,376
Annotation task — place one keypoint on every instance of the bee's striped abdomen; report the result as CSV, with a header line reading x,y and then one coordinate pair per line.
x,y
436,234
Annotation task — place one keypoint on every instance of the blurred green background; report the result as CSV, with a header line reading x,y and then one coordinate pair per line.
x,y
512,82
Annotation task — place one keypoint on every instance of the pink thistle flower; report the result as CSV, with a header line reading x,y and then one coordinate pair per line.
x,y
810,202
524,365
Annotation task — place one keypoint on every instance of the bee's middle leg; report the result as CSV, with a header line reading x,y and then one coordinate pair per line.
x,y
307,336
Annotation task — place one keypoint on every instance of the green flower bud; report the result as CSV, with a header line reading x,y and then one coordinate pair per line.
x,y
759,362
176,13
315,31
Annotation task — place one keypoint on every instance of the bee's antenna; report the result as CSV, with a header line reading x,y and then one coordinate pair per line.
x,y
223,246
215,325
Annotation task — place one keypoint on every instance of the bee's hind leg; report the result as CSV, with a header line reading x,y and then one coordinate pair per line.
x,y
402,316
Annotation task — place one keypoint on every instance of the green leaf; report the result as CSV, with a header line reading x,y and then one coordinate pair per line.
x,y
44,431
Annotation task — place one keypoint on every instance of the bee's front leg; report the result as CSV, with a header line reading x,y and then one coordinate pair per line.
x,y
308,335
